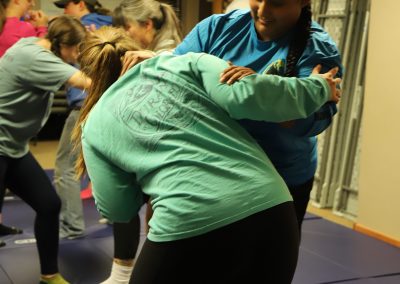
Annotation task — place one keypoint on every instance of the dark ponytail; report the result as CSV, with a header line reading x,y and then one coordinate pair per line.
x,y
299,41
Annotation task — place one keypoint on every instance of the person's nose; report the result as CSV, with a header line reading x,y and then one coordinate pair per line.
x,y
264,10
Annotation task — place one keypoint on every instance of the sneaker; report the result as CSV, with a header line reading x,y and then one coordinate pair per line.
x,y
72,236
56,279
6,230
105,221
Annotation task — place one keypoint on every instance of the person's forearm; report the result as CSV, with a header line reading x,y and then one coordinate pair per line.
x,y
80,81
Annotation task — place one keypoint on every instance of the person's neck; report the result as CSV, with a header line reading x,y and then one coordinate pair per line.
x,y
83,13
45,43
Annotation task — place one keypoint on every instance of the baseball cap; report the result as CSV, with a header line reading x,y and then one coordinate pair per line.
x,y
63,3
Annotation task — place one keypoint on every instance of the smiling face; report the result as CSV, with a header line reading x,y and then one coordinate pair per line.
x,y
274,18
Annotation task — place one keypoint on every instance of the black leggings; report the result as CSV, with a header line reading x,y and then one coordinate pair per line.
x,y
301,197
2,195
26,179
262,248
126,238
126,235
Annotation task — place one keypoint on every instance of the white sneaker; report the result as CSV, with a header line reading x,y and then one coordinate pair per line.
x,y
104,221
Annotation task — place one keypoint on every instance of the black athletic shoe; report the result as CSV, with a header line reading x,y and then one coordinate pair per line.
x,y
5,230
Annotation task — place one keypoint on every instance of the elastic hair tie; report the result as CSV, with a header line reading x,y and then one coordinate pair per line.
x,y
109,42
103,44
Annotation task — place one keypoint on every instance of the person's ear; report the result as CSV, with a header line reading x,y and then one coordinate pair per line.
x,y
149,24
82,5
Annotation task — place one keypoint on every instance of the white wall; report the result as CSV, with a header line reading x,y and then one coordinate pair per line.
x,y
379,199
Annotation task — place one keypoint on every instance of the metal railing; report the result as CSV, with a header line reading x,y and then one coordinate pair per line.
x,y
336,181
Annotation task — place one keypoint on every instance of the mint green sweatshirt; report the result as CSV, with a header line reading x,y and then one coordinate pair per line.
x,y
167,129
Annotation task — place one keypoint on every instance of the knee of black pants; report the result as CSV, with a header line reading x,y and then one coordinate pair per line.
x,y
49,207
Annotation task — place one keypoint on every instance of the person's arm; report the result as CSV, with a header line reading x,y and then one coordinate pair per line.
x,y
260,97
321,50
45,71
25,29
39,20
310,126
320,120
79,80
131,58
117,194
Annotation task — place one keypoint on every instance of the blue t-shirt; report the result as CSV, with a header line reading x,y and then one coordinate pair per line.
x,y
76,96
96,19
233,37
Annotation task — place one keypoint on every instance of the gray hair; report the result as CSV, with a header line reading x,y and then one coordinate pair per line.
x,y
165,21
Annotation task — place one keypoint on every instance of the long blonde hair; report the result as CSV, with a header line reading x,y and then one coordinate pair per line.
x,y
164,18
100,58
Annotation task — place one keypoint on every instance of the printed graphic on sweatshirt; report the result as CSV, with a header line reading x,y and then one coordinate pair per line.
x,y
157,106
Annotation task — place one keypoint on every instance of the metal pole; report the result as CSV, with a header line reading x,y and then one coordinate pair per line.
x,y
339,190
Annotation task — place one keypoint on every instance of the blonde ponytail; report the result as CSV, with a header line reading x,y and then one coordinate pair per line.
x,y
100,59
